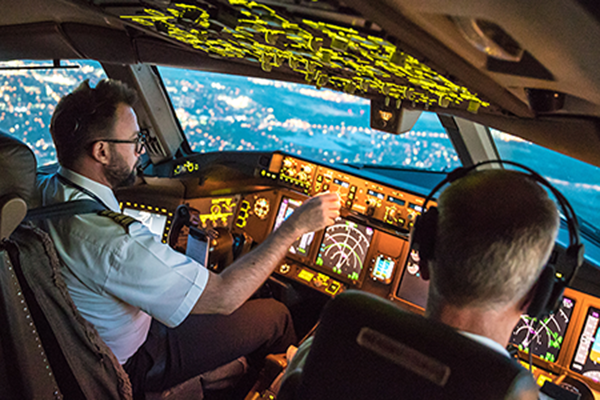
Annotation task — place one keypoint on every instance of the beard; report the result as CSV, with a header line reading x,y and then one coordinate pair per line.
x,y
118,173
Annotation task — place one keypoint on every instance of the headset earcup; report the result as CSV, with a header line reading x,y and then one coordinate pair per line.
x,y
544,291
424,234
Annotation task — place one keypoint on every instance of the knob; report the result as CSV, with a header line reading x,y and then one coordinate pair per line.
x,y
284,268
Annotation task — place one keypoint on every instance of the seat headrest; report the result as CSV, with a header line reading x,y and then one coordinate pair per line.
x,y
17,166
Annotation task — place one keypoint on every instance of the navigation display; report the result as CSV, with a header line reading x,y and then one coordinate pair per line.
x,y
344,248
546,337
302,245
413,288
587,355
154,222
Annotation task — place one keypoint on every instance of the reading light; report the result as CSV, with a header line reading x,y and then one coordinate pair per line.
x,y
392,119
489,38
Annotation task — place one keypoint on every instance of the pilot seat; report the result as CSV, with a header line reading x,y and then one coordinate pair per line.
x,y
366,347
47,350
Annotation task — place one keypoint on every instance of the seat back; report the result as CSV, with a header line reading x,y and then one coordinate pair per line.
x,y
17,182
47,350
367,348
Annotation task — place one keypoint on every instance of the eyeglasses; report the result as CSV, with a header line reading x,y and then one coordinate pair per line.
x,y
140,141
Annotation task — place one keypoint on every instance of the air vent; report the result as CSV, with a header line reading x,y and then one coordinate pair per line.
x,y
154,148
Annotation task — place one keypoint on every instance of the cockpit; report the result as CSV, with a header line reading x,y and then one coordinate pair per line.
x,y
251,108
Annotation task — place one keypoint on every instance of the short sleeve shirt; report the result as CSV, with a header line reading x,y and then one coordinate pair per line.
x,y
119,278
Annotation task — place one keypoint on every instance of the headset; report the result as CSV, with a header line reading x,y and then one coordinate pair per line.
x,y
550,286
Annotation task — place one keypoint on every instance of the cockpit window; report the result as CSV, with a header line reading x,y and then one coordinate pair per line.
x,y
578,182
29,93
224,112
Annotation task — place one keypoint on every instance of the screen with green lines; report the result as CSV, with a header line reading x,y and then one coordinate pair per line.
x,y
344,249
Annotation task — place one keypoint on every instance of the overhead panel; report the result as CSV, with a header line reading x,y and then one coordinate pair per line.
x,y
323,54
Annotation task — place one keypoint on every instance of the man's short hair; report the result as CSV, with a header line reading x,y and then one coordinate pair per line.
x,y
496,231
86,114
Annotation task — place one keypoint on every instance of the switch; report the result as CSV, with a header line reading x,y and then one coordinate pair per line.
x,y
284,269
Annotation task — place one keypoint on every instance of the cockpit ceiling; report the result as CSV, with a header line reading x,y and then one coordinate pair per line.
x,y
316,51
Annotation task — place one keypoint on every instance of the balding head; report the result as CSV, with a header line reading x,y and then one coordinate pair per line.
x,y
496,230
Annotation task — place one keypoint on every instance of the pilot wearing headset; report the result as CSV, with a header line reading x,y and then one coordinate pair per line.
x,y
485,249
494,232
166,317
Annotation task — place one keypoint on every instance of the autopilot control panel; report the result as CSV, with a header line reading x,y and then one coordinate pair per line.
x,y
374,200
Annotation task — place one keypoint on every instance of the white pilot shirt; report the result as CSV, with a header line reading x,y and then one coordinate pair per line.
x,y
119,279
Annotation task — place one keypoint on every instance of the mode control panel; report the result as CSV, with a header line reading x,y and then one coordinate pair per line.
x,y
384,203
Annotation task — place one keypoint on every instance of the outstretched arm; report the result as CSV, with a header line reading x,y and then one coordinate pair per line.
x,y
225,292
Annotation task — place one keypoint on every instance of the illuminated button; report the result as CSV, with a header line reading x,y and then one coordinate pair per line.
x,y
326,186
348,203
401,221
306,275
333,288
284,269
352,189
320,178
351,196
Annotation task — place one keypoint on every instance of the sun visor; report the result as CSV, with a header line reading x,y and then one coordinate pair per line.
x,y
42,41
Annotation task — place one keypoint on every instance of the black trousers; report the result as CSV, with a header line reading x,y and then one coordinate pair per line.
x,y
201,343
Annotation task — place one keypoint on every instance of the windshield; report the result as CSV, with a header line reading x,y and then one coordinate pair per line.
x,y
577,181
225,112
28,98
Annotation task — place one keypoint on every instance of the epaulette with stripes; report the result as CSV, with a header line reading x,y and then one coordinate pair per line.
x,y
121,219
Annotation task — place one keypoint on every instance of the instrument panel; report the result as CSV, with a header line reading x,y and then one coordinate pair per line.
x,y
367,248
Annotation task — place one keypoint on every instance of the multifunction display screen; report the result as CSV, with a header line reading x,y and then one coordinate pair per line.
x,y
344,248
545,337
413,288
302,245
383,269
154,222
587,355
